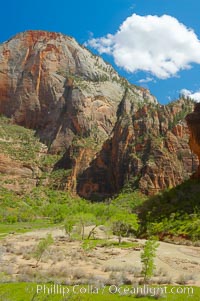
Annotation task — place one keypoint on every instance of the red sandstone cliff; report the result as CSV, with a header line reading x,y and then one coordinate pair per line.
x,y
112,133
50,83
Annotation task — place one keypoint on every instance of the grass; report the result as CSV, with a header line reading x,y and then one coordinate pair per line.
x,y
27,291
92,243
23,227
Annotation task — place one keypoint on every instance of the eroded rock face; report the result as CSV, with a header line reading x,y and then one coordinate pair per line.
x,y
112,133
193,122
50,83
148,150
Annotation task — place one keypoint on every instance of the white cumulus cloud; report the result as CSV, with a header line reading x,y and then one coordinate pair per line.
x,y
146,80
193,95
159,45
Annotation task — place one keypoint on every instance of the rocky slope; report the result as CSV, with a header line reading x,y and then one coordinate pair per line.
x,y
21,157
111,133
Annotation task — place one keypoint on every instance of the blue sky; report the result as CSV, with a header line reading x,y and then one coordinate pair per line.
x,y
148,61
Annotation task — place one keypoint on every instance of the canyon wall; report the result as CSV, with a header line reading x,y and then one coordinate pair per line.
x,y
111,134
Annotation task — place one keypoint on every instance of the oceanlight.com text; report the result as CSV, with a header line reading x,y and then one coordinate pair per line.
x,y
145,290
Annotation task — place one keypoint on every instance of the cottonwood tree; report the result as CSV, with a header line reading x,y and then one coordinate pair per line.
x,y
69,224
42,247
147,258
102,215
122,223
83,220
